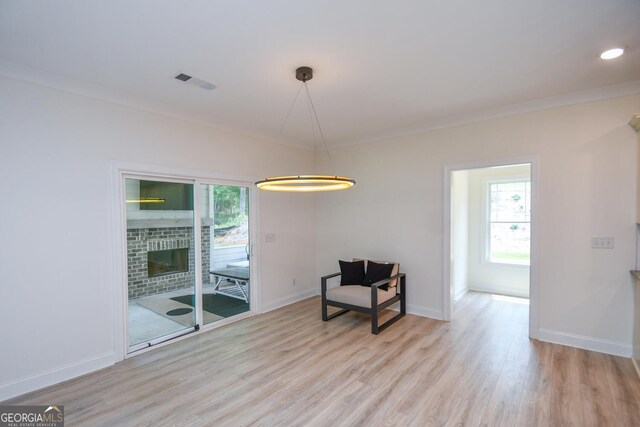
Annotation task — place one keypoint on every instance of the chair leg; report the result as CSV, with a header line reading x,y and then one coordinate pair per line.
x,y
403,295
323,291
336,314
325,315
375,329
374,321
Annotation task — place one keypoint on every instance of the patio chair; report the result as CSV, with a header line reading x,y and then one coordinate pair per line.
x,y
366,287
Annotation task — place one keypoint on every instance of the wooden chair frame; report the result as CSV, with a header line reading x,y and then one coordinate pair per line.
x,y
375,309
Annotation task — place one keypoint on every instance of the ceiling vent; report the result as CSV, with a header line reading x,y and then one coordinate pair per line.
x,y
194,81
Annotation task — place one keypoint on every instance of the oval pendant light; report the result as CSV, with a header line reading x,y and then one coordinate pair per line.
x,y
305,183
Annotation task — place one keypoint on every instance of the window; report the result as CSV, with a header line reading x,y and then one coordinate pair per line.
x,y
509,224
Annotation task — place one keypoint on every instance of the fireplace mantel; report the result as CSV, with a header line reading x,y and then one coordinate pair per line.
x,y
165,223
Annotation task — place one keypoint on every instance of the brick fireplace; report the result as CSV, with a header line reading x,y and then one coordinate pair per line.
x,y
142,240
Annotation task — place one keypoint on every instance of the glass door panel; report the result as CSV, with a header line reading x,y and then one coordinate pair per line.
x,y
224,216
160,261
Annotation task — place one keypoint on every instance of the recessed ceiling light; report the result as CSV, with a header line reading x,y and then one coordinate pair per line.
x,y
612,53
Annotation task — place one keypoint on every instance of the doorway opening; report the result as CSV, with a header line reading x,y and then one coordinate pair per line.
x,y
490,241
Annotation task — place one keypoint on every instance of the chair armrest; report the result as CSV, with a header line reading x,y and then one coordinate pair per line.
x,y
323,281
330,276
383,281
376,285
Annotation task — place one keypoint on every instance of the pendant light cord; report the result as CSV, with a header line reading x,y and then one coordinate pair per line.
x,y
312,124
289,112
324,141
315,115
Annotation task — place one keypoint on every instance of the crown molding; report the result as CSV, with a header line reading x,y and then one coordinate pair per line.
x,y
77,87
52,80
614,91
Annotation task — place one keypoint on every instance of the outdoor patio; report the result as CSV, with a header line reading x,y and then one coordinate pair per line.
x,y
167,313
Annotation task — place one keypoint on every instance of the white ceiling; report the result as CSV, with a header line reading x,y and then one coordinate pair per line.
x,y
382,68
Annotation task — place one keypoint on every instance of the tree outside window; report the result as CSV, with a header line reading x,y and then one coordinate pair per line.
x,y
509,222
231,215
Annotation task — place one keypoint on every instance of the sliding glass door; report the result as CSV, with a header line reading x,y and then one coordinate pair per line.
x,y
188,256
226,250
161,256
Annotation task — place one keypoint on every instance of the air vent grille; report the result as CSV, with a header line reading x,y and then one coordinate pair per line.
x,y
194,81
183,77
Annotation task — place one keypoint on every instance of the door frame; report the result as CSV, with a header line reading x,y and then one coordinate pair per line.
x,y
534,268
118,242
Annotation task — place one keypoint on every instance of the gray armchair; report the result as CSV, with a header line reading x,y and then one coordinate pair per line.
x,y
365,299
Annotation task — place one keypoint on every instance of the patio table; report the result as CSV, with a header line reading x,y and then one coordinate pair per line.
x,y
239,279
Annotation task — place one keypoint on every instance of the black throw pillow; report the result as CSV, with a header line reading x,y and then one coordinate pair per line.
x,y
352,273
377,272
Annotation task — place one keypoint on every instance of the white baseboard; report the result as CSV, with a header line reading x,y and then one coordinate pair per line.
x,y
586,343
289,300
514,292
460,294
64,373
424,312
419,311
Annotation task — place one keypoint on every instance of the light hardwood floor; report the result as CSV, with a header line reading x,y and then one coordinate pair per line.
x,y
288,368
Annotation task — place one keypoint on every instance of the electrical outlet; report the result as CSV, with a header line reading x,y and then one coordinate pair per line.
x,y
602,242
293,282
269,238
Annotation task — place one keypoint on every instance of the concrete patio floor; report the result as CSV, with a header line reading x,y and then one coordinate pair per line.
x,y
145,325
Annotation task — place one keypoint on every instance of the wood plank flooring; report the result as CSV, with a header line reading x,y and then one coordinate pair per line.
x,y
288,368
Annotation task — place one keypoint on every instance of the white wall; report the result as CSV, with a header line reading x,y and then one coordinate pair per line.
x,y
587,174
508,279
56,284
459,233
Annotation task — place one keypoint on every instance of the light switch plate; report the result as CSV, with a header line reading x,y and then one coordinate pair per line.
x,y
269,238
602,242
